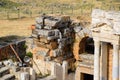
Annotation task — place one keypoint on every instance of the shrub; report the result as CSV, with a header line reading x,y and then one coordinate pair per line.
x,y
29,54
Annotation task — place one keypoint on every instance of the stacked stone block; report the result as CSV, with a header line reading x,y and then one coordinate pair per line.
x,y
53,37
10,70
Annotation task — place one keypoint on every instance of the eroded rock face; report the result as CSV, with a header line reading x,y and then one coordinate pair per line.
x,y
110,18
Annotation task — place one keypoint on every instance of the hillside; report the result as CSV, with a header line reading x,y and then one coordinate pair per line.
x,y
8,4
21,14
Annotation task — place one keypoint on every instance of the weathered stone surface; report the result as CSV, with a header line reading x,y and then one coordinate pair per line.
x,y
4,71
111,18
41,67
32,74
77,29
59,71
24,76
8,77
116,27
48,78
65,70
56,37
14,69
97,13
51,45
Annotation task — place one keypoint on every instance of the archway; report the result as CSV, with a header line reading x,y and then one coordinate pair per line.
x,y
80,37
86,45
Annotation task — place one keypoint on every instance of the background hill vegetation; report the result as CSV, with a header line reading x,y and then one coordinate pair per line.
x,y
33,8
16,16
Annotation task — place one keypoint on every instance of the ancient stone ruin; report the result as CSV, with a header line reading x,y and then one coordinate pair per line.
x,y
64,50
12,53
53,38
104,65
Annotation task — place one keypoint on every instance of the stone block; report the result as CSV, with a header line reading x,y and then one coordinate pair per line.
x,y
65,70
50,22
44,40
41,66
52,45
46,33
8,77
5,62
39,20
97,13
24,76
77,29
32,74
116,27
17,75
57,52
38,26
4,71
15,68
50,78
95,21
115,16
59,72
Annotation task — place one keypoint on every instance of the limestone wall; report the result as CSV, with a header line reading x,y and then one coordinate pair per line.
x,y
111,18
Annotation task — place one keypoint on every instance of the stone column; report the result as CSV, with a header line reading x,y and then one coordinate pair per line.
x,y
115,67
24,76
53,69
32,74
103,61
97,60
65,70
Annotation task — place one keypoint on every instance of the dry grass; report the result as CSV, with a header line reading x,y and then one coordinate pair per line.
x,y
19,27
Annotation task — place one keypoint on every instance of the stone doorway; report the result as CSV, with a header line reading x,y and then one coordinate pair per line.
x,y
87,76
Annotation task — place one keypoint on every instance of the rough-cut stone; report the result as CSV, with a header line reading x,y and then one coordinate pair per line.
x,y
116,27
77,29
65,70
111,18
32,74
14,69
24,76
97,13
8,77
4,71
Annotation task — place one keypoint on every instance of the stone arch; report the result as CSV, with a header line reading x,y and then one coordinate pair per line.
x,y
79,36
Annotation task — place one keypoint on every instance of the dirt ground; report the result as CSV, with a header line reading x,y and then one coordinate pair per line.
x,y
19,27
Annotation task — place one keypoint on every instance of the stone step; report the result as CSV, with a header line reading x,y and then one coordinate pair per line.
x,y
8,77
14,69
86,56
3,71
17,74
48,78
86,64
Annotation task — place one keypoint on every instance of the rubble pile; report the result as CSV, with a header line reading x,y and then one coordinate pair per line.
x,y
53,37
10,70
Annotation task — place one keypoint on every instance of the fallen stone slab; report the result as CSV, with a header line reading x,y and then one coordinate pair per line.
x,y
3,71
14,69
8,77
48,78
